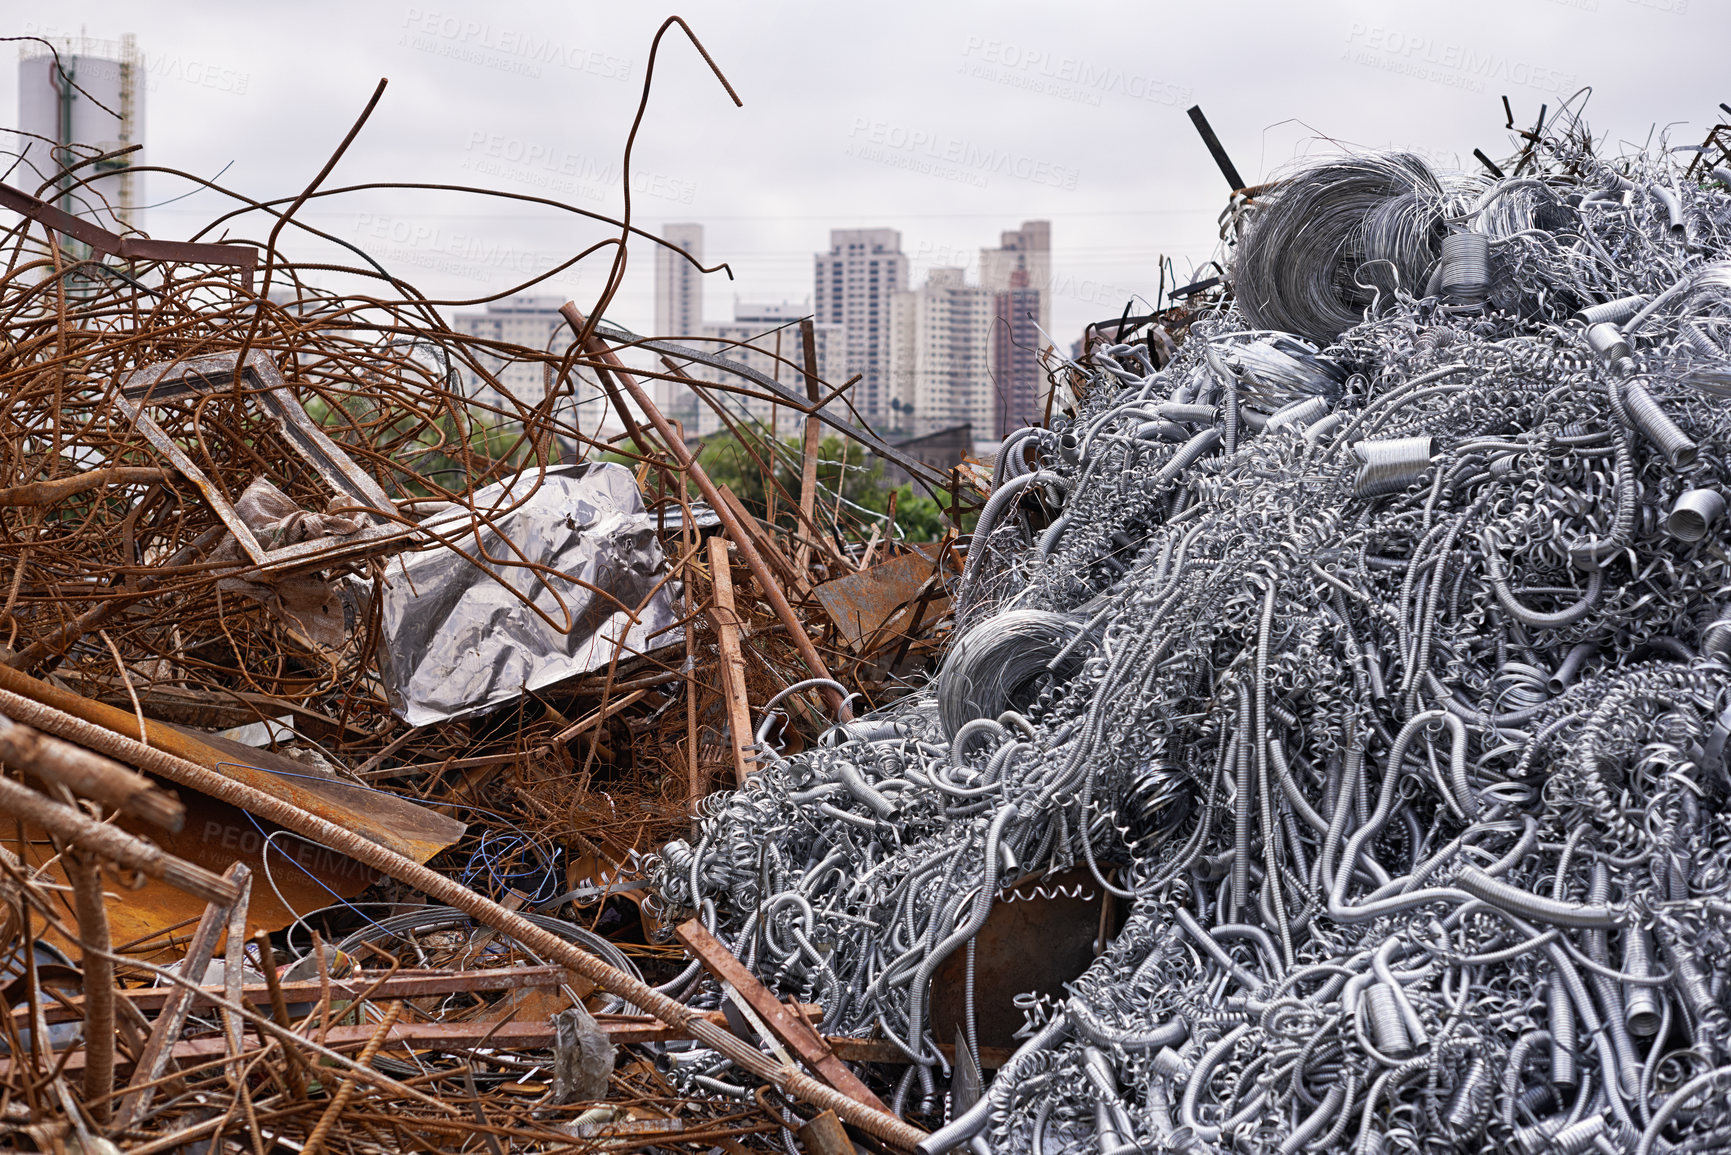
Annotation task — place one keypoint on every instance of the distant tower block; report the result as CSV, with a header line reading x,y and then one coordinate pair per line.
x,y
81,99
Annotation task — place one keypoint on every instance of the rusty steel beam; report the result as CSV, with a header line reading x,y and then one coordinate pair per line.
x,y
789,1028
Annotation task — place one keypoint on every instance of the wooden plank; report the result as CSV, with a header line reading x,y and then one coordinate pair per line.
x,y
788,1027
725,619
813,443
159,1050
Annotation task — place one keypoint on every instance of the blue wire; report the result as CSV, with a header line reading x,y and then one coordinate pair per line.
x,y
547,888
300,919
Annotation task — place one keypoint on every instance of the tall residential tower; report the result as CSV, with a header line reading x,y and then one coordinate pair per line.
x,y
678,283
940,364
855,283
1018,275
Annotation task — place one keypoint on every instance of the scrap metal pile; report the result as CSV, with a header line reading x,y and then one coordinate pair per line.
x,y
346,686
1367,631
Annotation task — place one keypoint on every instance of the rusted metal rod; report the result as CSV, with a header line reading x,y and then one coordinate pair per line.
x,y
759,568
346,1089
812,444
109,608
39,493
85,874
89,775
159,1050
67,824
279,1012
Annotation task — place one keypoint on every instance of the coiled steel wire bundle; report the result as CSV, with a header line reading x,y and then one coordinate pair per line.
x,y
1402,729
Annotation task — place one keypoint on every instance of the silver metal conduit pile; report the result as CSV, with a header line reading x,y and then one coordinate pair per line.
x,y
1374,649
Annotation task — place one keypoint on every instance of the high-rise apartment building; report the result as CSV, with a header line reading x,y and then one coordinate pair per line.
x,y
678,284
88,100
855,283
1018,381
940,368
765,338
533,321
678,309
1018,274
1027,250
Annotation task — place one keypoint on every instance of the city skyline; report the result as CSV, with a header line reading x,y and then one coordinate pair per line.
x,y
949,352
943,123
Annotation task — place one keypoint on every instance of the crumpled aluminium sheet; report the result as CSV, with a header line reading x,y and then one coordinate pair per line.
x,y
456,641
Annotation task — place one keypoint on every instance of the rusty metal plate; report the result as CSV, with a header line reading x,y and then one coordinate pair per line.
x,y
861,604
306,876
1030,942
411,829
419,832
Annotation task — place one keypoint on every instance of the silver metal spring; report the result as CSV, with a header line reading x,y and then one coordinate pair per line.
x,y
1298,414
1188,413
1466,268
1610,346
1323,430
1612,312
1641,1010
1387,1025
1391,464
1694,513
1677,446
1577,1137
1562,1025
1698,341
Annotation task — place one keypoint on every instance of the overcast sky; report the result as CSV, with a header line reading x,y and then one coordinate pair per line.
x,y
947,121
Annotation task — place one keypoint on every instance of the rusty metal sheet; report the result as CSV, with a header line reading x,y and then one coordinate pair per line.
x,y
306,876
1037,941
418,832
860,604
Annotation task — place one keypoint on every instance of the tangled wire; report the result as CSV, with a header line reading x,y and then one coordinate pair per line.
x,y
1381,664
